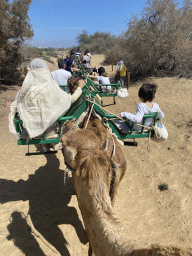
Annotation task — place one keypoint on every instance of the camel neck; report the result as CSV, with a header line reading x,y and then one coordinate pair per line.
x,y
105,233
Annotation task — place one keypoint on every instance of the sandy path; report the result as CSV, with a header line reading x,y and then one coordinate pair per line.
x,y
36,217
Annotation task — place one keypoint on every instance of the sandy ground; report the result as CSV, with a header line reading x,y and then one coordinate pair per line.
x,y
37,218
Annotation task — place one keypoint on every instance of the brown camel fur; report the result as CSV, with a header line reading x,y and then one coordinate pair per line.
x,y
83,151
114,151
73,84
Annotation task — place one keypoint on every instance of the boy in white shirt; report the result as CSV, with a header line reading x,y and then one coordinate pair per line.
x,y
61,75
102,78
146,94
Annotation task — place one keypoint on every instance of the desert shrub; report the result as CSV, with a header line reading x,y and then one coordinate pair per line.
x,y
159,43
15,28
117,52
23,69
47,58
30,53
98,42
51,53
83,38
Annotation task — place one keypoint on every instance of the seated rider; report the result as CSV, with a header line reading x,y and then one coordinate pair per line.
x,y
73,56
102,78
78,52
121,73
61,75
146,94
86,59
40,101
70,68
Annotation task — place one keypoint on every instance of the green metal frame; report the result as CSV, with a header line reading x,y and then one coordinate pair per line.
x,y
63,86
144,133
112,93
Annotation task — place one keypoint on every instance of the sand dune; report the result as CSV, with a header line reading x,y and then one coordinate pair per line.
x,y
37,218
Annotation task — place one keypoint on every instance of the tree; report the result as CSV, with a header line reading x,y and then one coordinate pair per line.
x,y
83,38
14,30
97,42
158,43
160,40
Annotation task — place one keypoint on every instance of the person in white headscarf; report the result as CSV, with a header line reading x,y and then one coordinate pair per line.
x,y
121,72
40,101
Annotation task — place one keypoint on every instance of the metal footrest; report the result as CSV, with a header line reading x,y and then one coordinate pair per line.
x,y
130,143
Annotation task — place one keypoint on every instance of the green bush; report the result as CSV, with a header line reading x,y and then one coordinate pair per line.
x,y
15,28
159,43
98,42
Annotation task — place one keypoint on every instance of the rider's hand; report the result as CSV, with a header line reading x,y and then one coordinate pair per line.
x,y
119,114
81,83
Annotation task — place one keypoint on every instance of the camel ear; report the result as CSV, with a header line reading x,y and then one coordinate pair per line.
x,y
70,153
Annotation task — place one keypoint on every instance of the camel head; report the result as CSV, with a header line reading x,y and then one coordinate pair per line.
x,y
78,144
69,125
82,151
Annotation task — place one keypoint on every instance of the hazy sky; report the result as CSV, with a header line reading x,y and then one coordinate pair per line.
x,y
57,23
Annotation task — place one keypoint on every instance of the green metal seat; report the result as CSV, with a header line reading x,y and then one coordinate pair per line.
x,y
76,109
107,93
63,87
125,129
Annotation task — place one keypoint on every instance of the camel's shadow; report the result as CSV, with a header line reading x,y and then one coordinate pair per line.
x,y
48,204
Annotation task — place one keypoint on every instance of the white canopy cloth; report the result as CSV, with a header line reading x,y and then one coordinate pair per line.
x,y
40,101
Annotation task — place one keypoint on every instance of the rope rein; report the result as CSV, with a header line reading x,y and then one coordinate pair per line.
x,y
66,178
90,114
147,127
150,128
28,221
